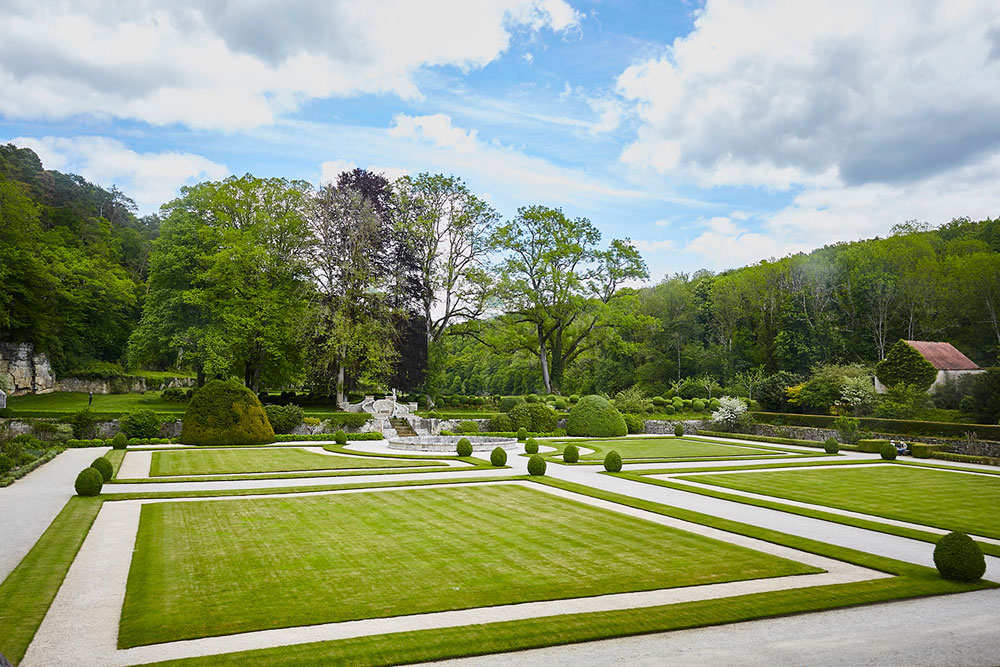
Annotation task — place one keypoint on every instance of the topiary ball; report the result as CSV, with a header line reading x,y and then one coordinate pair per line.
x,y
536,465
464,447
119,441
224,412
531,446
531,398
831,446
958,558
571,454
678,429
669,408
498,457
888,451
613,462
595,417
574,398
103,466
698,405
522,433
89,482
340,437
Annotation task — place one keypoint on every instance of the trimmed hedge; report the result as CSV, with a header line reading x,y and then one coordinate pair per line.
x,y
348,419
464,447
613,462
924,451
595,417
871,446
77,443
498,457
958,558
508,402
908,427
314,437
537,417
571,454
966,458
536,465
89,482
531,446
103,466
224,412
558,433
771,439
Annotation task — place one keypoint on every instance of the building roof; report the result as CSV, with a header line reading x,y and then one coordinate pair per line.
x,y
943,356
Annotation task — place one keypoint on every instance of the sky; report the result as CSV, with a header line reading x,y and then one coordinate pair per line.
x,y
712,134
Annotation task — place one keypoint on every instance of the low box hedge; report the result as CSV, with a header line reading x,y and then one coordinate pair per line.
x,y
314,437
924,451
348,419
871,446
908,427
770,439
966,458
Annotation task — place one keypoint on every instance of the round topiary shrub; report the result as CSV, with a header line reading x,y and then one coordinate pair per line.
x,y
531,446
522,433
594,416
714,404
561,404
224,412
574,398
536,465
119,441
340,437
958,558
89,482
531,398
678,429
498,457
659,401
669,408
103,466
888,451
613,462
571,454
831,446
464,447
535,417
508,402
698,405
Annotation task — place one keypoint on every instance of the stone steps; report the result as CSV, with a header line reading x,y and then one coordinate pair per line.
x,y
402,428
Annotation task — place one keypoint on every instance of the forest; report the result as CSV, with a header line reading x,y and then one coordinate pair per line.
x,y
418,284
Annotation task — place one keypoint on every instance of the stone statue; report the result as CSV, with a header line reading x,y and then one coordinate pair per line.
x,y
3,399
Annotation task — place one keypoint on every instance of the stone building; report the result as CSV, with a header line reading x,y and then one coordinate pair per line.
x,y
949,362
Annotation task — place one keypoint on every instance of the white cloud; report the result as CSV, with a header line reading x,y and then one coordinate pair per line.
x,y
653,246
437,128
238,65
331,169
151,179
784,93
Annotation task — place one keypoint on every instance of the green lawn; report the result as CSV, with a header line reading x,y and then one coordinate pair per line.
x,y
938,498
663,448
283,459
72,401
227,566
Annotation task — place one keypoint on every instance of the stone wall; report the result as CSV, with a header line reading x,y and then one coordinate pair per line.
x,y
664,426
25,372
126,385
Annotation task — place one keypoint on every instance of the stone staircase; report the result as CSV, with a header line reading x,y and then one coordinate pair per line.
x,y
402,428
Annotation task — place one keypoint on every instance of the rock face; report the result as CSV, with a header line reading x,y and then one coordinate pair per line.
x,y
27,372
123,385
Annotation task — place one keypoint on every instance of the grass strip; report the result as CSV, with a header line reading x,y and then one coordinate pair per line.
x,y
867,524
758,466
116,456
297,475
27,593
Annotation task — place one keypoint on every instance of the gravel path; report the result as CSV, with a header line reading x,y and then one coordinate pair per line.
x,y
944,630
29,505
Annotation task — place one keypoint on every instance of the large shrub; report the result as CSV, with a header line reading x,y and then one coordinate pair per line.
x,y
498,457
224,412
501,422
634,423
848,428
535,417
595,417
571,454
958,558
140,424
119,441
902,401
284,418
904,365
464,447
83,424
698,405
509,402
536,465
103,466
468,426
88,482
632,400
858,395
985,392
613,462
174,395
730,413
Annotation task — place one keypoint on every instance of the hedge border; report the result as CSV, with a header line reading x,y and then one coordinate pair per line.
x,y
17,473
907,427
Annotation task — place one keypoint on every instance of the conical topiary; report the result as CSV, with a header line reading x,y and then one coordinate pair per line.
x,y
224,412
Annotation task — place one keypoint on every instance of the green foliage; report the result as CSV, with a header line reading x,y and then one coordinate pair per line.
x,y
140,424
340,438
904,365
522,433
83,423
571,454
985,392
537,417
349,419
698,405
848,428
498,457
871,445
902,402
595,417
464,447
322,437
536,465
632,400
224,412
669,409
858,395
120,441
501,422
284,418
7,463
103,466
530,445
678,429
634,423
920,450
888,451
958,558
574,398
175,395
468,426
826,385
613,461
831,446
88,482
509,402
531,398
898,427
561,404
967,405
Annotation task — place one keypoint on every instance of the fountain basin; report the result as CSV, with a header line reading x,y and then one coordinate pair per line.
x,y
448,443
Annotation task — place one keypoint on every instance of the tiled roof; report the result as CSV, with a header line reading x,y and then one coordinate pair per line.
x,y
943,356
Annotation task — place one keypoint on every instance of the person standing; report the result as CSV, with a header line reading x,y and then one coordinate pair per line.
x,y
90,399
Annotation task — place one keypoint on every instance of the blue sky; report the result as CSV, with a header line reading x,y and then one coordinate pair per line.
x,y
713,134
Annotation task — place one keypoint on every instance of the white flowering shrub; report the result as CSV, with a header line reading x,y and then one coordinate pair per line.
x,y
730,413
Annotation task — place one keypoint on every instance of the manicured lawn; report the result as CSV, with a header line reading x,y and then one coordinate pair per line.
x,y
72,401
946,500
219,567
663,448
283,459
